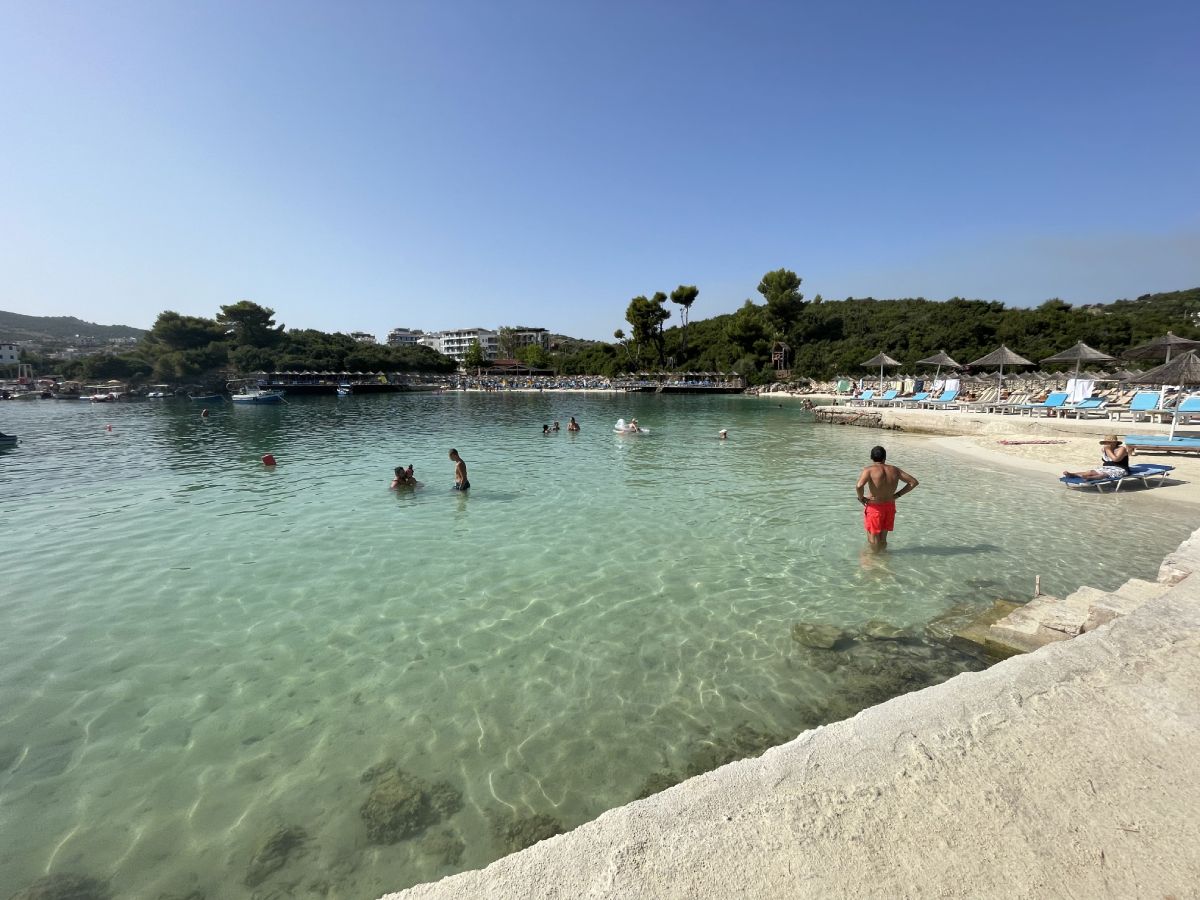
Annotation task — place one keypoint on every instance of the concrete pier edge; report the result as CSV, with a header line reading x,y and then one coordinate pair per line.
x,y
1071,771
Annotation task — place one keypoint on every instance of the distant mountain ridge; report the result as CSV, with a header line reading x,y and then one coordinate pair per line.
x,y
16,327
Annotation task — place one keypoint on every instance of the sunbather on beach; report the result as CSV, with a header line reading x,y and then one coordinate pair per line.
x,y
1114,460
879,510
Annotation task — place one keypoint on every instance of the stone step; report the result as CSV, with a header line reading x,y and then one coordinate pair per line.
x,y
1143,591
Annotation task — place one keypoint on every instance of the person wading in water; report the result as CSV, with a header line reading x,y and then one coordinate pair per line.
x,y
879,510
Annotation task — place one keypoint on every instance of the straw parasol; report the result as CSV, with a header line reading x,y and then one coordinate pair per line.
x,y
1002,357
1183,370
1164,346
939,359
1079,354
881,360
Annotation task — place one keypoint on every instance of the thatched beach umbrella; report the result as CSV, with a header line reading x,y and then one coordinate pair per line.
x,y
1002,357
939,359
1183,370
1164,346
881,360
1078,354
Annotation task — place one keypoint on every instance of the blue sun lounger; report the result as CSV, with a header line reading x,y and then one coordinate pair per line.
x,y
885,399
1162,443
1143,472
1054,401
945,401
914,399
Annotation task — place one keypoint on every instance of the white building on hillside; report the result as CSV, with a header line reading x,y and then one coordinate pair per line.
x,y
9,355
432,340
523,336
456,343
405,337
363,337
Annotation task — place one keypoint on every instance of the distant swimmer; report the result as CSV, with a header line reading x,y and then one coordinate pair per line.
x,y
572,425
204,413
879,510
556,428
723,434
545,429
460,472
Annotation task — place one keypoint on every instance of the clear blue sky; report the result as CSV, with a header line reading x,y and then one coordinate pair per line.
x,y
358,166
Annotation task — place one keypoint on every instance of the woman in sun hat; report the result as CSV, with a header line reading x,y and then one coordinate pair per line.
x,y
1114,460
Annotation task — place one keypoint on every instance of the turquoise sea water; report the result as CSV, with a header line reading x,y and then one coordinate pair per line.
x,y
197,651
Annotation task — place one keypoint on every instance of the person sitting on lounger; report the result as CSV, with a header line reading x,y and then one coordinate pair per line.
x,y
1114,460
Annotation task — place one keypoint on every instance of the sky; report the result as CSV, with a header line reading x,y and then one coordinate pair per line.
x,y
363,166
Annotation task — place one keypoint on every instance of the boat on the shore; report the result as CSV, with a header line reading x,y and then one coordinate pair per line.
x,y
7,440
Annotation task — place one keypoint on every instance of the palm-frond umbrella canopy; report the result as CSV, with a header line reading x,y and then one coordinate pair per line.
x,y
1078,354
1183,370
881,360
939,359
1164,346
1001,357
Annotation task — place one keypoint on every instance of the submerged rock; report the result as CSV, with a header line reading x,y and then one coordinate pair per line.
x,y
817,636
398,807
445,799
65,887
273,853
388,765
517,834
656,782
878,630
443,845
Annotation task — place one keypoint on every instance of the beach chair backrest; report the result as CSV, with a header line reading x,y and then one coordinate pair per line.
x,y
947,397
1143,401
1090,403
867,395
1190,405
923,395
890,395
1058,398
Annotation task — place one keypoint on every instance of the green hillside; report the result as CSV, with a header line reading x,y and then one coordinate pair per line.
x,y
16,327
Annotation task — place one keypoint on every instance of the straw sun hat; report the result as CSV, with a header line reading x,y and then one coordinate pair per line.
x,y
1110,439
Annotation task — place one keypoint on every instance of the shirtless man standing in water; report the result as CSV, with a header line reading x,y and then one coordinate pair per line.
x,y
879,510
460,472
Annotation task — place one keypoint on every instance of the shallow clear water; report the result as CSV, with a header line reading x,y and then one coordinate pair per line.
x,y
197,650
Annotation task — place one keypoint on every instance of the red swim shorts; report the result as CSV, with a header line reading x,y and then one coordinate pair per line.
x,y
879,516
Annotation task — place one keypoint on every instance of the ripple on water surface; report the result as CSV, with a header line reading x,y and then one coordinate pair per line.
x,y
223,678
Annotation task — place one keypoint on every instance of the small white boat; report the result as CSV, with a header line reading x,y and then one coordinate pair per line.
x,y
344,390
251,393
257,396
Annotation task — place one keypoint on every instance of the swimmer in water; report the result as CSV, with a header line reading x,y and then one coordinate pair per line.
x,y
572,425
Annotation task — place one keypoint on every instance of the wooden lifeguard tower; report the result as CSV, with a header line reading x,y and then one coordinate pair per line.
x,y
781,359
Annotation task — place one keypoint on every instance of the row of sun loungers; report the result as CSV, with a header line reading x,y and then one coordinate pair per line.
x,y
1137,407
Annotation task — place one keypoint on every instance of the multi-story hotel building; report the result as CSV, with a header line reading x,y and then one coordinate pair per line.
x,y
405,337
455,344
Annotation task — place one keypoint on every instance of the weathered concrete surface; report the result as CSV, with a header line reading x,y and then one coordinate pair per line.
x,y
1069,772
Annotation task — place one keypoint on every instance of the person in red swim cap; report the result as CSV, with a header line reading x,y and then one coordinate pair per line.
x,y
879,510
